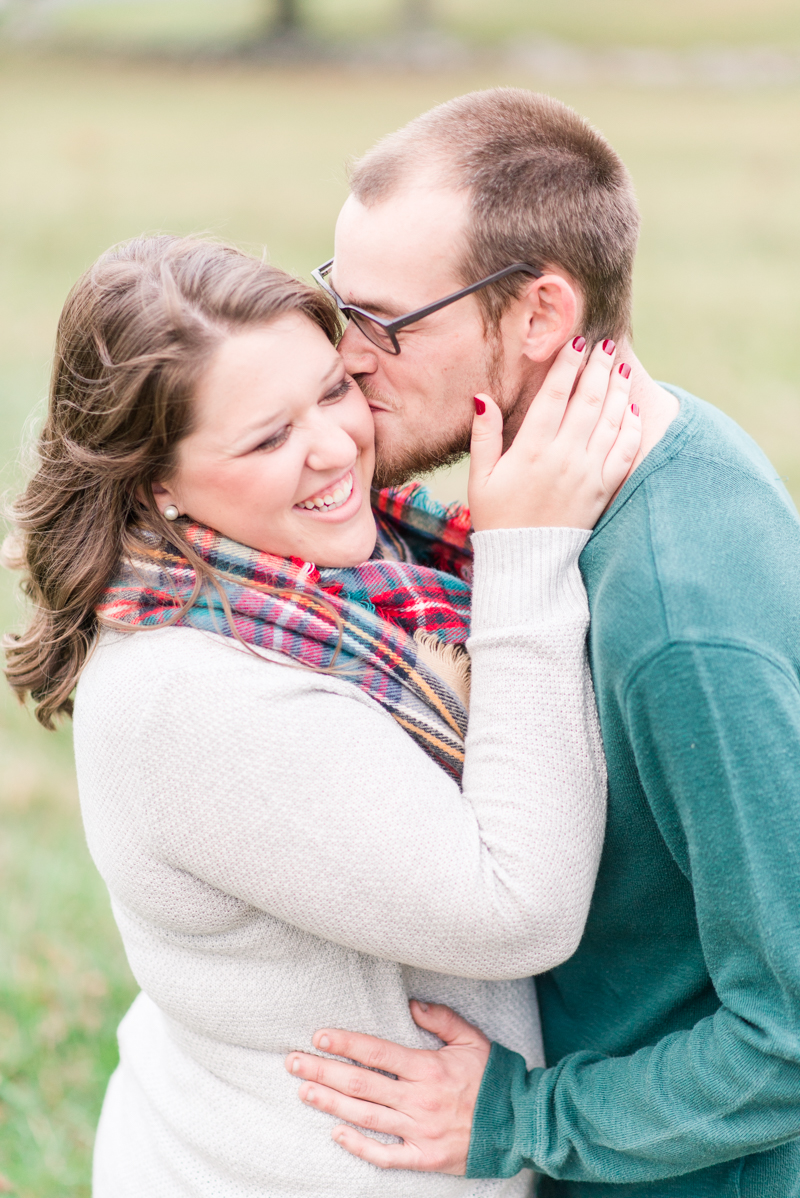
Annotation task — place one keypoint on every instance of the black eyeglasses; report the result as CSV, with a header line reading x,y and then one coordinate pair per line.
x,y
383,333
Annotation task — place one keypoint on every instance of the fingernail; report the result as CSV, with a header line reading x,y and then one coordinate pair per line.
x,y
296,1065
625,370
635,409
480,406
608,346
579,344
323,1042
339,1137
423,1006
309,1096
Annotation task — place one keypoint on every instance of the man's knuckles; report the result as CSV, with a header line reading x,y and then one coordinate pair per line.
x,y
378,1056
432,1072
357,1084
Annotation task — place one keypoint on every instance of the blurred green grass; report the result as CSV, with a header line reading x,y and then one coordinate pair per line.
x,y
96,151
676,25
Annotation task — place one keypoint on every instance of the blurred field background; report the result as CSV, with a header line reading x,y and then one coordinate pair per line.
x,y
180,115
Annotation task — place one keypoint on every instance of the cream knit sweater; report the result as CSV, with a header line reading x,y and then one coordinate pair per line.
x,y
281,857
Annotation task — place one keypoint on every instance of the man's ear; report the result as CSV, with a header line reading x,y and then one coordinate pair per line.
x,y
549,314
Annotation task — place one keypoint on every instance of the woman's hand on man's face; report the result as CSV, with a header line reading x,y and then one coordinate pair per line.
x,y
428,1102
571,454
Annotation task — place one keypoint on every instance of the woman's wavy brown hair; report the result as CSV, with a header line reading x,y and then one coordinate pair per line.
x,y
136,333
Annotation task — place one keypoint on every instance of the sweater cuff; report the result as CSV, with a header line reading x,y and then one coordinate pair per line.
x,y
527,575
507,1097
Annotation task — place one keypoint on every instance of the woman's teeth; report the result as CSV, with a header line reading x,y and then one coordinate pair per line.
x,y
331,499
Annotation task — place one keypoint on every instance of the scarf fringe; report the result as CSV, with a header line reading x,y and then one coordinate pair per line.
x,y
450,662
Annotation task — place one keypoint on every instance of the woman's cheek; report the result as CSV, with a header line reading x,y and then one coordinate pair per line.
x,y
362,428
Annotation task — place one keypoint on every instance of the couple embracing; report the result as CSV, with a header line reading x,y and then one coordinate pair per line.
x,y
350,765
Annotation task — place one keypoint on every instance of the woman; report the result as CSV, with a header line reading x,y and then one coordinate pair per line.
x,y
289,847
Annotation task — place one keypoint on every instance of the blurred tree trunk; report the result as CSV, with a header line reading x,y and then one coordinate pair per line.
x,y
417,14
286,16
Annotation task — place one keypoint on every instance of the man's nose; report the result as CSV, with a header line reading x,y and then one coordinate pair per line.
x,y
359,355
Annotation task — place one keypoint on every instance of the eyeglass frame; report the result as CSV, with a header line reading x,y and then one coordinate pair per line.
x,y
393,327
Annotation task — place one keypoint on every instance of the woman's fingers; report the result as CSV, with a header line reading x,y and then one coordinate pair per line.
x,y
368,1115
546,413
617,399
587,405
486,445
621,456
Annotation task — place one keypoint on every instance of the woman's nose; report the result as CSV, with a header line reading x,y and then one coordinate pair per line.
x,y
332,447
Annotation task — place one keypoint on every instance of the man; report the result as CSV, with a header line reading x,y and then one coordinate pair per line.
x,y
673,1034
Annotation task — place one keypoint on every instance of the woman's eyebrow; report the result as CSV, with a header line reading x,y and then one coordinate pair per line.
x,y
333,379
262,421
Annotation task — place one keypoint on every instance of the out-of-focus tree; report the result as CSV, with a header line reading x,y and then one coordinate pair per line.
x,y
281,18
417,14
286,16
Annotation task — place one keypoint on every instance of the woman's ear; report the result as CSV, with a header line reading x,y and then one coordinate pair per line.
x,y
550,311
163,496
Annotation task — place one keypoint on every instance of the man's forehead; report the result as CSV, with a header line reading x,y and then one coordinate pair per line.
x,y
399,249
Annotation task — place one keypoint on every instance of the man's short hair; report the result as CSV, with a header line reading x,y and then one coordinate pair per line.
x,y
545,188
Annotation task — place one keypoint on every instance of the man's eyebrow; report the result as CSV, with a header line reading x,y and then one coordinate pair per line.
x,y
379,307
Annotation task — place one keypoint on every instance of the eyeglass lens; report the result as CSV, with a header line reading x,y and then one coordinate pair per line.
x,y
373,332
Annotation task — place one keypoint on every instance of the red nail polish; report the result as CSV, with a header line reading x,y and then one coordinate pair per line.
x,y
579,344
608,346
625,370
480,406
635,409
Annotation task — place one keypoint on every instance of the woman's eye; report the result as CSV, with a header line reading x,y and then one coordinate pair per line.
x,y
338,392
274,441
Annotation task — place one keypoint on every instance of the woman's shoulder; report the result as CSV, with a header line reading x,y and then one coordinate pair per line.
x,y
142,669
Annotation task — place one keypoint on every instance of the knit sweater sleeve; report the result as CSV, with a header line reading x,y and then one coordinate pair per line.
x,y
296,794
716,732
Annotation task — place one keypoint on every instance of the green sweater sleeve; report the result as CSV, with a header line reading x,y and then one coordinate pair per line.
x,y
715,730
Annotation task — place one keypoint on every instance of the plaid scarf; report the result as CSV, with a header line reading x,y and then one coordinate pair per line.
x,y
416,582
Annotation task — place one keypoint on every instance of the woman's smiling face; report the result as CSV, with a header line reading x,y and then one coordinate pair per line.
x,y
281,452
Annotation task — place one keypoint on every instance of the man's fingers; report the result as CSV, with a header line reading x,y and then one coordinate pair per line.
x,y
370,1051
586,406
385,1156
445,1024
347,1079
369,1115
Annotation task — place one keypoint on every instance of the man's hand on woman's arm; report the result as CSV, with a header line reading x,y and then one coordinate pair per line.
x,y
428,1103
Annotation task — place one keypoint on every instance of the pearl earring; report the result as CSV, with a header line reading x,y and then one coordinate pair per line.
x,y
171,512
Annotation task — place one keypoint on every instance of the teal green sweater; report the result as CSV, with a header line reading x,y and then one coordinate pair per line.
x,y
673,1034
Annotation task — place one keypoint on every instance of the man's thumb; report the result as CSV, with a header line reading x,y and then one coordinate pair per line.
x,y
444,1023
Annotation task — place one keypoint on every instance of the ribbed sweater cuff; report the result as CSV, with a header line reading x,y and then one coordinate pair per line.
x,y
503,1124
526,576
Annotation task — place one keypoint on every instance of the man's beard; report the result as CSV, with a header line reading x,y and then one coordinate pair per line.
x,y
393,467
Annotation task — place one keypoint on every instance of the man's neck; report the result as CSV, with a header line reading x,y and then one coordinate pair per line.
x,y
657,407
